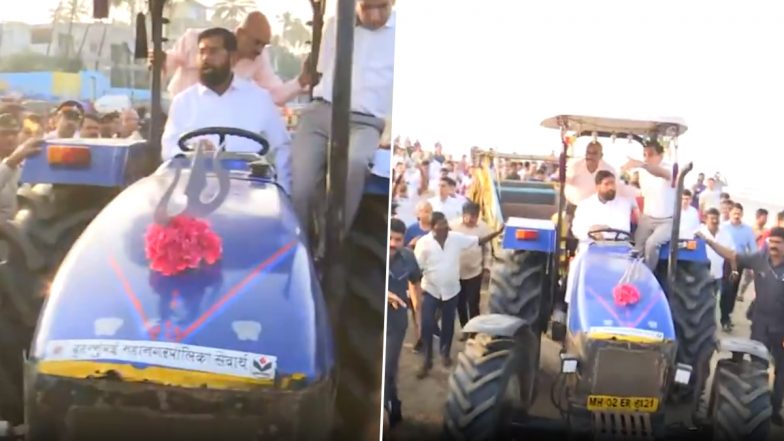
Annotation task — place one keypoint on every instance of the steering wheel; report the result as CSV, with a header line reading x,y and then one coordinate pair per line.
x,y
620,235
222,133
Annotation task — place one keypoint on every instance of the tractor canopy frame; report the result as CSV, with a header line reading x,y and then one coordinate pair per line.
x,y
633,129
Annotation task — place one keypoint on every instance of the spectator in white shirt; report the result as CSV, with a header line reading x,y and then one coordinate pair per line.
x,y
713,231
371,102
221,99
474,263
603,210
68,119
438,255
445,202
656,182
710,197
690,217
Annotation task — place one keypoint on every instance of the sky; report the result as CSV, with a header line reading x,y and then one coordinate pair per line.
x,y
40,10
488,72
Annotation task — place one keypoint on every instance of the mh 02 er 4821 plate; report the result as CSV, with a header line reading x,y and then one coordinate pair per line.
x,y
628,404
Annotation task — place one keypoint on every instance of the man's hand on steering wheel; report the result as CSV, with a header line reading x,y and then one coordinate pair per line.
x,y
596,232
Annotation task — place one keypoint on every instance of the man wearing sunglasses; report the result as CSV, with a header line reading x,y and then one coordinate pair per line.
x,y
68,119
181,63
371,103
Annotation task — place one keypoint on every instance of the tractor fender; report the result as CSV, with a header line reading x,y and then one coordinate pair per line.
x,y
10,232
50,234
496,325
740,345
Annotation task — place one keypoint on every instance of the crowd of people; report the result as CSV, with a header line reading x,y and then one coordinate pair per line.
x,y
435,222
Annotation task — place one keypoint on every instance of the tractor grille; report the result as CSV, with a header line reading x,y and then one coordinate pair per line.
x,y
622,426
622,371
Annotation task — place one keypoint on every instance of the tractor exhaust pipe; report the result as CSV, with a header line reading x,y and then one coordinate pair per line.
x,y
672,262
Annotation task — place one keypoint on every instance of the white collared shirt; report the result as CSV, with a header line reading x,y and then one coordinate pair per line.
x,y
244,105
616,214
659,194
451,207
373,67
441,266
690,222
716,261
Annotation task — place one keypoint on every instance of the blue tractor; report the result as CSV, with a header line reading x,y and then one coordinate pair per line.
x,y
263,344
621,366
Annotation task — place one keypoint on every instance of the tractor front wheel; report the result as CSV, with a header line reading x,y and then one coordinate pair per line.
x,y
740,401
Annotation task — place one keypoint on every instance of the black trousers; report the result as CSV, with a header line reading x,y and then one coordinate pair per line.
x,y
468,299
772,338
729,294
397,323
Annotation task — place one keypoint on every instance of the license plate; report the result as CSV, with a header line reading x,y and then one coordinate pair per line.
x,y
629,404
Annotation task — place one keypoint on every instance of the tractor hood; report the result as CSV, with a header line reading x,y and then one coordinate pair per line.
x,y
595,271
261,298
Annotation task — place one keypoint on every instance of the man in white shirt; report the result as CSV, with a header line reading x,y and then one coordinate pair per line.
x,y
444,202
438,255
371,102
712,230
710,197
656,183
690,217
603,210
474,263
221,99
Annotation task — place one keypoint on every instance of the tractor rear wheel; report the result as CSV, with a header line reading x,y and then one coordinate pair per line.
x,y
740,401
517,285
484,390
693,305
359,325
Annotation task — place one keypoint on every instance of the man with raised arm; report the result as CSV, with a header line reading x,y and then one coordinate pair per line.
x,y
222,99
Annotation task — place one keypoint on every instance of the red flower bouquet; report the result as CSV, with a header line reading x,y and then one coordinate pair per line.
x,y
626,294
182,244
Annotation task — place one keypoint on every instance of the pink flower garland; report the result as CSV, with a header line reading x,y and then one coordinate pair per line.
x,y
626,294
183,244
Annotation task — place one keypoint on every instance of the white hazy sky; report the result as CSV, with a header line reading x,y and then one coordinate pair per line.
x,y
487,72
39,11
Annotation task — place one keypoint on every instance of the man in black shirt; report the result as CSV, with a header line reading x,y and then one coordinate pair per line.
x,y
403,271
766,316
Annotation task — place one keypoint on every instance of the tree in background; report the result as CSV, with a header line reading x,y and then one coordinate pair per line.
x,y
229,13
67,11
295,33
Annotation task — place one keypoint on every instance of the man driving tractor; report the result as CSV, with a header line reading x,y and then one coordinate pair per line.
x,y
222,99
603,210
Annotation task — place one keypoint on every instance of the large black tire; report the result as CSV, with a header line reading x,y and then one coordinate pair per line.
x,y
518,286
359,325
740,401
50,222
693,305
484,389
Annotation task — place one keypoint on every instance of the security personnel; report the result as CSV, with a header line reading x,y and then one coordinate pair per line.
x,y
403,271
766,324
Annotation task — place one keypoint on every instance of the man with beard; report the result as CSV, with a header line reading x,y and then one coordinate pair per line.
x,y
12,154
222,99
252,64
766,324
603,210
371,101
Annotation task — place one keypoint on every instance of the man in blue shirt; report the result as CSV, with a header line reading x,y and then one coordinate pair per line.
x,y
403,272
745,243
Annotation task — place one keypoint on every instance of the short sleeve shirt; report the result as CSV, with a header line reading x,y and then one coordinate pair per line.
x,y
403,268
769,287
